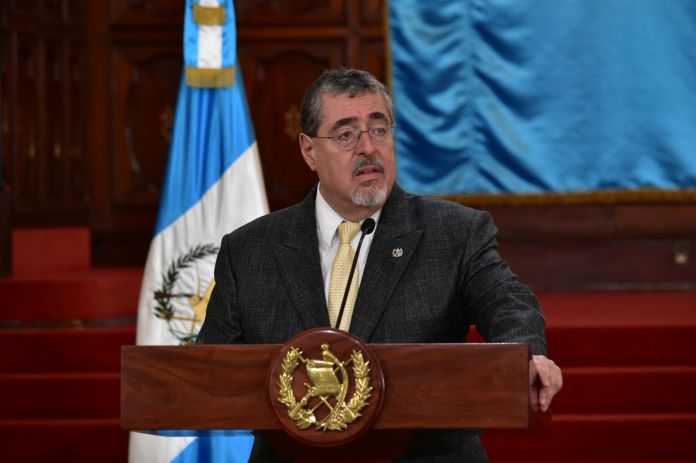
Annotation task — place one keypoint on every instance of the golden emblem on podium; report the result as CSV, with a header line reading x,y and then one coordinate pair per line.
x,y
330,380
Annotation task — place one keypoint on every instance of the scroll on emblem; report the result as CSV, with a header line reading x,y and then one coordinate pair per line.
x,y
326,385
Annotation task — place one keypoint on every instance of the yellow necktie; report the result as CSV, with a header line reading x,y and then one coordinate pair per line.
x,y
339,276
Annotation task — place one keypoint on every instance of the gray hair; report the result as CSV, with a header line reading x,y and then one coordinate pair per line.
x,y
342,81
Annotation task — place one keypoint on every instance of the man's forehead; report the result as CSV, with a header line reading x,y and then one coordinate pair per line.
x,y
337,107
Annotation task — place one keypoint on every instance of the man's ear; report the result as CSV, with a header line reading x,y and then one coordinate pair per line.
x,y
307,149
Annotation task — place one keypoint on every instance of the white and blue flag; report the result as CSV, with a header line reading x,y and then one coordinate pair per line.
x,y
213,185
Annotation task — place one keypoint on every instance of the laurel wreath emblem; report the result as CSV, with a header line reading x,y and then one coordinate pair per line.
x,y
341,414
164,309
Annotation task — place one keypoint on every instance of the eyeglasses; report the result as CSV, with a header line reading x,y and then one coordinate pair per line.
x,y
347,138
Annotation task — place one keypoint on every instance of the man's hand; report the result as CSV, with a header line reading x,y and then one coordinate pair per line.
x,y
545,380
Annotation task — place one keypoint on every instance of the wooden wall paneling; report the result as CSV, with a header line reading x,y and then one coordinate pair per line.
x,y
592,263
111,244
291,13
147,13
142,72
373,58
372,12
74,138
24,6
594,220
54,126
6,98
27,152
146,82
599,246
659,218
5,147
5,232
51,9
366,27
97,111
6,219
76,11
39,123
276,76
66,143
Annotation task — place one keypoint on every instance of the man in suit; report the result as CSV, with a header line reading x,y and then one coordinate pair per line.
x,y
428,272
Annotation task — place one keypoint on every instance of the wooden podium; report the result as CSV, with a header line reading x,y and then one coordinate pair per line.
x,y
426,386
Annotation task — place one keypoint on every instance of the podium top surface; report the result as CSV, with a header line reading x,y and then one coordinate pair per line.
x,y
427,386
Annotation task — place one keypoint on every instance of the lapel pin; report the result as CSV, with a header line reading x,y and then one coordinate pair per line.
x,y
397,252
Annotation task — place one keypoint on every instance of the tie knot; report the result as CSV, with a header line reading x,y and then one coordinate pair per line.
x,y
347,231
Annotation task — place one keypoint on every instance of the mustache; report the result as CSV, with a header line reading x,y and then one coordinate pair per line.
x,y
367,162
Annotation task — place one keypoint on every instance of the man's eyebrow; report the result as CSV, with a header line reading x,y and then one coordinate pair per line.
x,y
378,116
375,116
342,122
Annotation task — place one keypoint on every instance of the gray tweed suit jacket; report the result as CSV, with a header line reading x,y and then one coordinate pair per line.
x,y
269,287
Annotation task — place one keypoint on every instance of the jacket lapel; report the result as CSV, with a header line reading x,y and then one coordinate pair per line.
x,y
396,238
297,256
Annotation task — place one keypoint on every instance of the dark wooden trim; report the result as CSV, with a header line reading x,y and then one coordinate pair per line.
x,y
122,247
5,232
641,196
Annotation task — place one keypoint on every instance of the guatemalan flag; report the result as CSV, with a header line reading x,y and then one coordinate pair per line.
x,y
213,185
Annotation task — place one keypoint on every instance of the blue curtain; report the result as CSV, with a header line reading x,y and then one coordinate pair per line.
x,y
534,96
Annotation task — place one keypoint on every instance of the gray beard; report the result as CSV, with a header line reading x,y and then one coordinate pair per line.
x,y
369,196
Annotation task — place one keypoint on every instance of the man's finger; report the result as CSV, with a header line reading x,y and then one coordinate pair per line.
x,y
534,398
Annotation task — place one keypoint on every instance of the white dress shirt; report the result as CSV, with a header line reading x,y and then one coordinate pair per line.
x,y
327,225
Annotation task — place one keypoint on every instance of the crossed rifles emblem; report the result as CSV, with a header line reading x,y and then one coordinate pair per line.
x,y
326,389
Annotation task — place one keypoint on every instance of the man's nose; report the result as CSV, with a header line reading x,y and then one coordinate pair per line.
x,y
365,144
